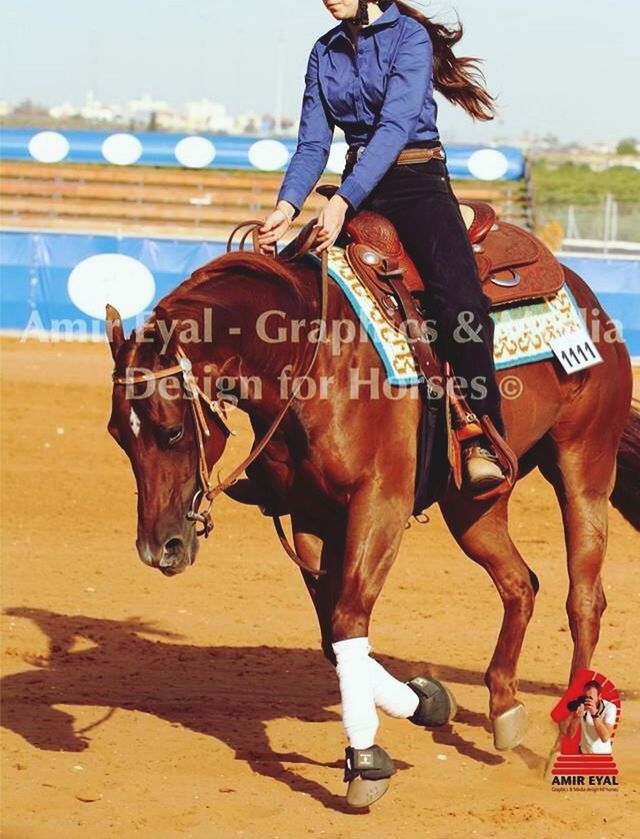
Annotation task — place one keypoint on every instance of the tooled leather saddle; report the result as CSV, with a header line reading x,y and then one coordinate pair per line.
x,y
512,264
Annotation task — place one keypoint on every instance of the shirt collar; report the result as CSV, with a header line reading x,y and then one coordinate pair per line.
x,y
388,17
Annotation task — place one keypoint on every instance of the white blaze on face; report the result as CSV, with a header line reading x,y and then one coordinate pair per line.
x,y
134,422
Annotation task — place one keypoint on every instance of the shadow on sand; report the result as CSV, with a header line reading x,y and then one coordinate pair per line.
x,y
137,666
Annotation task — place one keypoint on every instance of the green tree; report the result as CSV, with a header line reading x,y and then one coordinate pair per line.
x,y
627,146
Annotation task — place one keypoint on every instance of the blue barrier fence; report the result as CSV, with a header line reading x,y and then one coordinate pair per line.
x,y
60,282
210,151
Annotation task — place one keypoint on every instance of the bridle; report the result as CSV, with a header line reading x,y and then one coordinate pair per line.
x,y
197,398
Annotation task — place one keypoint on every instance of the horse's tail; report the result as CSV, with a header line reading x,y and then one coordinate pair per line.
x,y
626,492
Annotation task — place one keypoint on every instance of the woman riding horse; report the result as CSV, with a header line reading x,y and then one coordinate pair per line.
x,y
374,76
345,466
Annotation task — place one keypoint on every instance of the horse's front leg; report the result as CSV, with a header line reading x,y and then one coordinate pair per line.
x,y
321,548
375,524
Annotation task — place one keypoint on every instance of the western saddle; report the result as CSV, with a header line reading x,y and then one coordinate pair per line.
x,y
512,264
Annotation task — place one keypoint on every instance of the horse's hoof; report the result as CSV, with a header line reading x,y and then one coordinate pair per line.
x,y
509,728
363,793
368,773
436,705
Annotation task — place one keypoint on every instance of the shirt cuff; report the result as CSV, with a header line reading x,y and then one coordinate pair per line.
x,y
292,198
352,192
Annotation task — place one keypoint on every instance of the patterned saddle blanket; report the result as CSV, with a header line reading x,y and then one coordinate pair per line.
x,y
523,330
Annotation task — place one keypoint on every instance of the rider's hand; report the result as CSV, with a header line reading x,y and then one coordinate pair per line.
x,y
330,223
275,226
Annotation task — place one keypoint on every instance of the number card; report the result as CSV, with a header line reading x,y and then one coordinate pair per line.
x,y
575,351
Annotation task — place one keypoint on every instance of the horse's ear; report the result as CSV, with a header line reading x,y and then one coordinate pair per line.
x,y
115,332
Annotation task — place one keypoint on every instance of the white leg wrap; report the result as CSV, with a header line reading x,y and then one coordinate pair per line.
x,y
359,715
393,696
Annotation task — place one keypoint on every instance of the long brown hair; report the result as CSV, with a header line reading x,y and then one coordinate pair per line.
x,y
459,80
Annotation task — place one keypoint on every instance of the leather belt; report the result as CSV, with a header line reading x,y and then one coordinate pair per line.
x,y
406,156
419,155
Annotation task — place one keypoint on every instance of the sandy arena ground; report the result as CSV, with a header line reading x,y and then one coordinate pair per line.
x,y
200,706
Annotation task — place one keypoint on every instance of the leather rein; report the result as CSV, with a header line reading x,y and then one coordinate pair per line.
x,y
197,398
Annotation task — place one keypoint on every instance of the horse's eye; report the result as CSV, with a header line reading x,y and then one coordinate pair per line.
x,y
174,434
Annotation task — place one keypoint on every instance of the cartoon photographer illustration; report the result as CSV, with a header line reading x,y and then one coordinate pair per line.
x,y
595,716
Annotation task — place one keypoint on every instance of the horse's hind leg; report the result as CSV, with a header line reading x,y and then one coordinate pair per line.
x,y
582,473
583,482
481,531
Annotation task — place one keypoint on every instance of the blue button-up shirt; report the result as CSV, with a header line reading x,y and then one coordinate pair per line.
x,y
380,94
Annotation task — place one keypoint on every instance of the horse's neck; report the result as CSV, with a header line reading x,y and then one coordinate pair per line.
x,y
241,340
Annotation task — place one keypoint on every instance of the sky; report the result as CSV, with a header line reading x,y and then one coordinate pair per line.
x,y
566,67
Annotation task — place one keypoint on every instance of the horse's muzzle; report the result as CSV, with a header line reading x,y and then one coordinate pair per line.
x,y
174,557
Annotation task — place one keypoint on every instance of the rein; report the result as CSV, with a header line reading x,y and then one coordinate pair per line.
x,y
196,396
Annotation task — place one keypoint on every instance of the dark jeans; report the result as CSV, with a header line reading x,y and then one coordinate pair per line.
x,y
418,199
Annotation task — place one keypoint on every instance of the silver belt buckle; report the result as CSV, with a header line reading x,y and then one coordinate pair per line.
x,y
360,152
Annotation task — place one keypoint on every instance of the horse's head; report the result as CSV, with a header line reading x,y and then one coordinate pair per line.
x,y
171,443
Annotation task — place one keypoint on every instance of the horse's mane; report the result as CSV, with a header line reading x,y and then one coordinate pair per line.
x,y
196,289
193,295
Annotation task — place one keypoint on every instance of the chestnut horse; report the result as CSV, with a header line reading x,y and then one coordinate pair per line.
x,y
343,458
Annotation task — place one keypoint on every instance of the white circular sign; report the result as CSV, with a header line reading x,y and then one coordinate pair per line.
x,y
113,278
488,164
122,149
337,155
195,152
48,147
268,155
